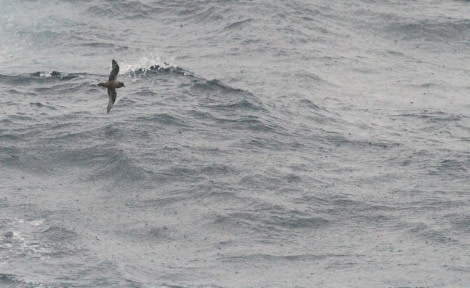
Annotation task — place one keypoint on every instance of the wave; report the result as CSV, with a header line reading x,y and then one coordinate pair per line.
x,y
38,77
124,10
11,280
221,97
433,116
238,24
435,31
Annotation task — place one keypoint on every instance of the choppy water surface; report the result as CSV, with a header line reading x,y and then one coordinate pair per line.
x,y
256,144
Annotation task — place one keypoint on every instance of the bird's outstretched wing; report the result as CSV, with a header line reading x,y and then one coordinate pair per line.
x,y
114,71
112,98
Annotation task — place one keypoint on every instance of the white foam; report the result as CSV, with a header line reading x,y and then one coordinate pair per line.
x,y
145,62
36,222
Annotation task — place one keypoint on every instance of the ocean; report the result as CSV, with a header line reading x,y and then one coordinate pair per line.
x,y
256,144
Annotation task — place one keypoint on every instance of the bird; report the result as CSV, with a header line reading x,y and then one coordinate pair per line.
x,y
112,84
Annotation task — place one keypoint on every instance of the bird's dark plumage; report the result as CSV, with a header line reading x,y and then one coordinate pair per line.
x,y
112,98
112,84
114,71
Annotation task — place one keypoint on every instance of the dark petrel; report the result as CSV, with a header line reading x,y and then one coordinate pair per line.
x,y
112,84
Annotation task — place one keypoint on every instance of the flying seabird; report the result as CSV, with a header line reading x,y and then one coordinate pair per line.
x,y
112,84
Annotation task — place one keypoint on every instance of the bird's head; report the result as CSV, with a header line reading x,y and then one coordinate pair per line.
x,y
120,84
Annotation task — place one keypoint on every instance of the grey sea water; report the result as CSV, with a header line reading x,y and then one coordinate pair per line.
x,y
256,144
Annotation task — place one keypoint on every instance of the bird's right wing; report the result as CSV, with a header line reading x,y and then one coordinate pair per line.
x,y
112,98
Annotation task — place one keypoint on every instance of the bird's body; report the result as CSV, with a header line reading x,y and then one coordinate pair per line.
x,y
112,84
